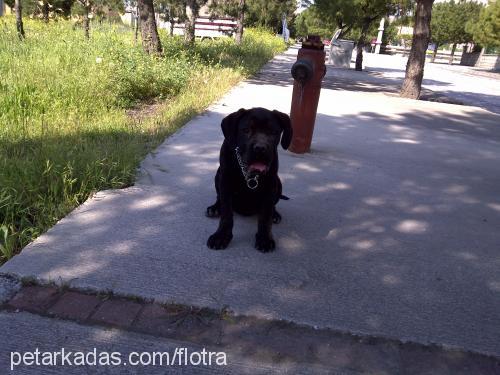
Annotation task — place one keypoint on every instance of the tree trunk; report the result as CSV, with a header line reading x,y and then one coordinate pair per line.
x,y
19,19
241,17
136,33
434,52
172,25
191,14
86,20
344,29
453,48
412,83
150,39
45,11
361,45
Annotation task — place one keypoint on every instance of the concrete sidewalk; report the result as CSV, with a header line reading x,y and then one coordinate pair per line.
x,y
451,83
392,229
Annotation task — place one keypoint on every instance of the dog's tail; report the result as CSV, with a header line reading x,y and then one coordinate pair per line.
x,y
284,197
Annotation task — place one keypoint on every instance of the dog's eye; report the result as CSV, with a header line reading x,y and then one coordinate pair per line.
x,y
246,131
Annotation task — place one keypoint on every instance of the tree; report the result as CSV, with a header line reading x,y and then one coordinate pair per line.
x,y
310,22
19,19
241,19
338,13
44,9
390,34
448,23
260,13
368,11
439,25
269,13
301,26
99,8
486,30
354,13
171,11
192,8
412,83
232,8
149,32
87,6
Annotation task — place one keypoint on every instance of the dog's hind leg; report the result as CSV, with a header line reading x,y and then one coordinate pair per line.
x,y
214,210
276,216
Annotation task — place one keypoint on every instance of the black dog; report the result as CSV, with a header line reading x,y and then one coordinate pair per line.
x,y
247,179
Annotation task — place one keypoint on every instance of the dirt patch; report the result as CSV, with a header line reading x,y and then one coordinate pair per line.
x,y
145,109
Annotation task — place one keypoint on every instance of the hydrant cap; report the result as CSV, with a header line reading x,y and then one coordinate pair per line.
x,y
302,71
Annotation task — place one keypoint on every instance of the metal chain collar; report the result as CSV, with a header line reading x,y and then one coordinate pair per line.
x,y
252,182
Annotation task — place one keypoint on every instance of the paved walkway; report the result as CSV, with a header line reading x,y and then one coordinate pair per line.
x,y
459,83
391,230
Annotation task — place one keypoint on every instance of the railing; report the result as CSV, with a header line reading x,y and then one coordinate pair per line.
x,y
440,56
206,28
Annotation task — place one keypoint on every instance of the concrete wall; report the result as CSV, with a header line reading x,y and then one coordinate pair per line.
x,y
490,62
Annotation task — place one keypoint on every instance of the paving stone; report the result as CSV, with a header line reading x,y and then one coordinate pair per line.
x,y
154,318
34,298
73,305
117,312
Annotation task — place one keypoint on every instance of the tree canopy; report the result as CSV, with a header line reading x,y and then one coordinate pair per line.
x,y
308,22
349,14
449,19
486,30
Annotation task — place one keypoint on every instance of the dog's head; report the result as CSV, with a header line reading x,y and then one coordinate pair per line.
x,y
257,133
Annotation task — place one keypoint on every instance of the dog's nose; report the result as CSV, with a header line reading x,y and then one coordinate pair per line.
x,y
259,149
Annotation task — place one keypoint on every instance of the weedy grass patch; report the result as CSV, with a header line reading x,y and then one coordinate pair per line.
x,y
64,128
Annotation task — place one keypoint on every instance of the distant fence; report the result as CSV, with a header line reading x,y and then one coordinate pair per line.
x,y
206,27
440,56
485,61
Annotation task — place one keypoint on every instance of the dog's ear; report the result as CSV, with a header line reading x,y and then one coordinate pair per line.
x,y
229,125
286,126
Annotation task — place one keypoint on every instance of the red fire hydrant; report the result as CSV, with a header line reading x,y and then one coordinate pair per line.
x,y
308,71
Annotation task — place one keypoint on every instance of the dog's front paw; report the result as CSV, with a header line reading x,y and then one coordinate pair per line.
x,y
264,243
219,240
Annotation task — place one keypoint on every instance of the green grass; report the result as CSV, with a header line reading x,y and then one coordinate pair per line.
x,y
64,128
